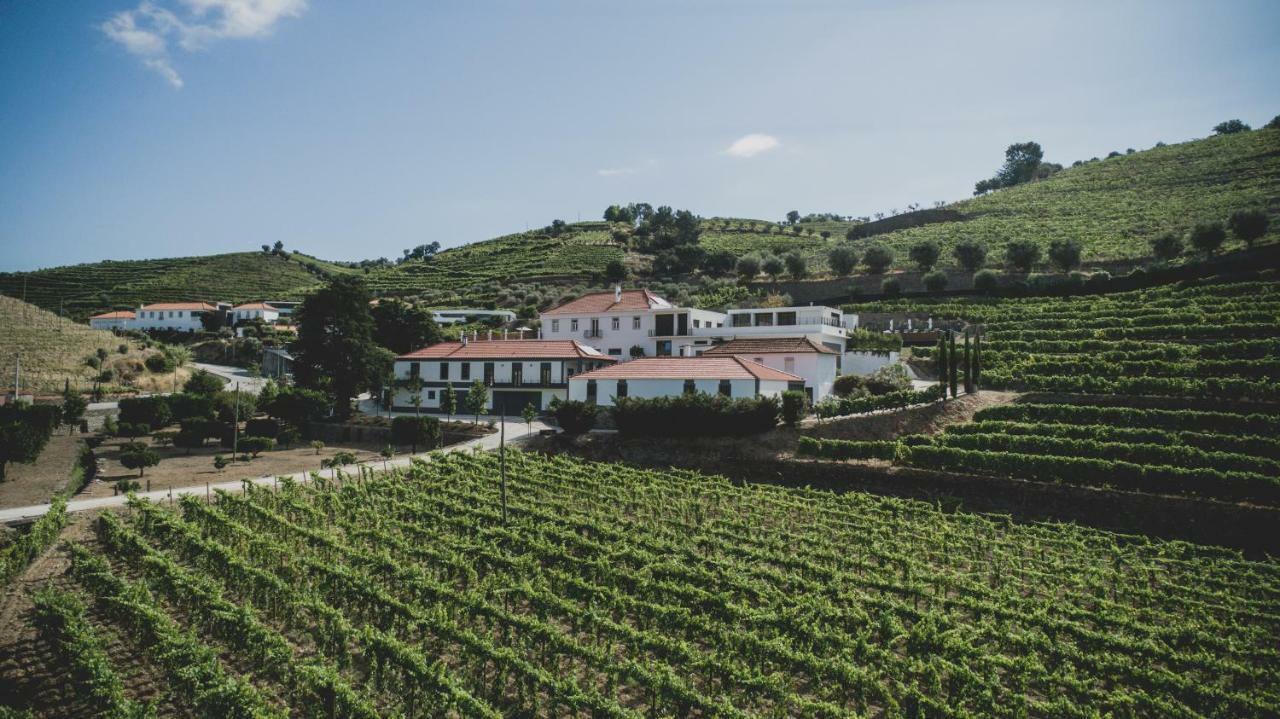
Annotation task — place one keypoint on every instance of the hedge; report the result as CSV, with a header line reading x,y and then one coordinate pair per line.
x,y
841,449
1179,419
838,406
693,415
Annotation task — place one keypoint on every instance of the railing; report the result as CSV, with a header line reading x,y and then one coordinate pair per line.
x,y
593,334
672,333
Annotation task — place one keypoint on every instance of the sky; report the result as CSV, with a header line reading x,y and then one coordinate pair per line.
x,y
349,130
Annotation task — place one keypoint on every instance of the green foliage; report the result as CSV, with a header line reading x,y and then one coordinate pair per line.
x,y
24,432
1166,247
615,270
298,406
136,455
891,286
203,383
772,266
528,414
840,406
233,405
1230,127
160,363
402,327
839,449
748,267
877,258
1065,254
188,405
477,398
797,267
152,412
935,281
1021,255
1248,225
693,415
794,407
335,347
415,431
925,254
842,259
256,445
575,417
73,408
1207,237
986,280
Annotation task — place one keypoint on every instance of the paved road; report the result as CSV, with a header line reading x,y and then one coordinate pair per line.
x,y
252,385
515,431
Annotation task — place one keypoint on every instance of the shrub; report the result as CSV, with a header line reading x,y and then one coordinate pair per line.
x,y
694,415
151,411
575,417
840,449
1207,237
925,254
970,254
1021,255
794,407
797,267
935,281
891,286
230,405
203,382
1166,247
890,378
1248,225
773,266
415,431
748,267
288,437
1230,127
187,405
848,385
877,259
842,259
159,363
986,281
136,455
256,445
1274,124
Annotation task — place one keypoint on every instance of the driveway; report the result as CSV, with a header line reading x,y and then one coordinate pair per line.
x,y
515,432
251,385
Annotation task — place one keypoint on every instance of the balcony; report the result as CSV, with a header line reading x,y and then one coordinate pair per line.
x,y
593,334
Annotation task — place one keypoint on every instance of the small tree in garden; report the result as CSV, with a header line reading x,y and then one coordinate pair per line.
x,y
73,408
748,267
414,386
925,254
257,445
528,414
793,407
448,402
877,259
477,398
1166,247
797,267
220,463
1208,237
317,445
136,455
1248,225
386,453
188,440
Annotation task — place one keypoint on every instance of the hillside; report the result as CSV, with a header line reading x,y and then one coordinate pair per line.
x,y
1112,206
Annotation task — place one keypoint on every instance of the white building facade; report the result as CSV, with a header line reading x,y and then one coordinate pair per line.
x,y
817,364
517,373
173,316
460,315
118,320
628,323
254,311
653,377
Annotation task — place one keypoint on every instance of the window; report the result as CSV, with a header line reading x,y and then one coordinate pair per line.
x,y
555,325
615,350
635,323
488,374
764,319
544,373
786,318
616,323
591,391
466,370
517,373
444,370
431,394
622,388
697,323
742,320
415,369
690,387
789,364
573,325
726,388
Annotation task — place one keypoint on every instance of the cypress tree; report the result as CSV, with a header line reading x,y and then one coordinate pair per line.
x,y
977,361
941,361
951,364
968,365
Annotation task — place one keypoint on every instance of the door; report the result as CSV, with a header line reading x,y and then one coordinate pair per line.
x,y
514,402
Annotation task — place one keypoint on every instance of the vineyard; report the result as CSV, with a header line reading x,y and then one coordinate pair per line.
x,y
618,592
52,349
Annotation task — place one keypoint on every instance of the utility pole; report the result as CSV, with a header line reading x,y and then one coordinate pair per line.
x,y
502,461
235,426
17,375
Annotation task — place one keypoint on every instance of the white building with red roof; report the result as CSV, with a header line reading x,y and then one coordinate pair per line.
x,y
818,364
117,320
650,377
616,322
174,316
517,372
254,311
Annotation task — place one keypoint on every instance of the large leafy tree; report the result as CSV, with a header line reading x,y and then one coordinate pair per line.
x,y
336,347
402,327
24,432
1248,225
1022,163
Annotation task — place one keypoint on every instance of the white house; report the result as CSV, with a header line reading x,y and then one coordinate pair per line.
x,y
460,315
517,372
118,320
822,325
817,364
176,316
651,377
254,311
615,322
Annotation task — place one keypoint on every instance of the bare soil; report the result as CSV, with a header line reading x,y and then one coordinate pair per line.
x,y
36,483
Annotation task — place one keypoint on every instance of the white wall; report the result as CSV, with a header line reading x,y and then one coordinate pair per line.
x,y
818,370
114,324
864,362
182,320
429,371
607,389
558,327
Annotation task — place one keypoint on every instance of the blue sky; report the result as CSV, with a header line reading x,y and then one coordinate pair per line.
x,y
352,130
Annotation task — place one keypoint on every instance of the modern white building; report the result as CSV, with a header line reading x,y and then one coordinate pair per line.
x,y
460,315
517,372
817,364
175,316
822,325
652,377
118,320
616,322
254,311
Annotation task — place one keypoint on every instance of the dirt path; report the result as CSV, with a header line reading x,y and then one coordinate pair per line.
x,y
929,419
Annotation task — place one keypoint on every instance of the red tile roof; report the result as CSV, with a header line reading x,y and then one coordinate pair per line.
x,y
117,315
196,306
255,306
770,345
508,349
632,301
732,367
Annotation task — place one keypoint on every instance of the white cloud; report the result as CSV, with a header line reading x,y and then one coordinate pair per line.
x,y
148,30
615,171
752,145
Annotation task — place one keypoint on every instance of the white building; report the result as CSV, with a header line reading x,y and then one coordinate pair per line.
x,y
517,372
615,322
175,316
118,320
254,311
817,364
822,325
652,377
458,316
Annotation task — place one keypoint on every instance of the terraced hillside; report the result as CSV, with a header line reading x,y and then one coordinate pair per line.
x,y
83,290
618,592
53,350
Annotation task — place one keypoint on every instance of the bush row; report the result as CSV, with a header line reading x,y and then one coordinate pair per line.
x,y
1216,387
1253,445
840,406
695,415
1177,419
841,449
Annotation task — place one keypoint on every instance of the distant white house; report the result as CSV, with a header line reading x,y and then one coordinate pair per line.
x,y
517,372
816,363
615,322
254,311
175,316
117,320
651,377
461,315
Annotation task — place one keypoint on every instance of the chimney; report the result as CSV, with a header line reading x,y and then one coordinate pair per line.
x,y
464,339
504,333
617,293
490,337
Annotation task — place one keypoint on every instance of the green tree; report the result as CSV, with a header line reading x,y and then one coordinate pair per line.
x,y
1248,225
24,432
1065,254
891,286
1274,124
773,266
73,408
335,341
220,463
878,258
448,401
402,327
203,382
748,267
1021,255
794,405
986,281
257,445
575,417
1021,162
1230,127
842,259
188,440
615,271
477,398
925,254
528,414
1166,247
136,455
298,406
797,267
1207,237
718,262
935,281
793,217
970,254
415,431
317,445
